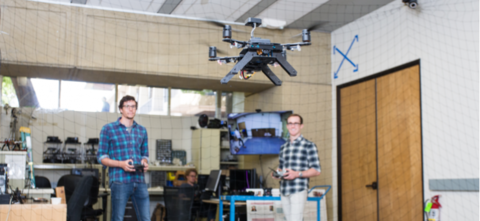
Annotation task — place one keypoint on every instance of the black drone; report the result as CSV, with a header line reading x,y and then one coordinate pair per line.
x,y
257,53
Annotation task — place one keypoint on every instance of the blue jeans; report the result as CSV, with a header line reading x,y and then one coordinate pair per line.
x,y
140,199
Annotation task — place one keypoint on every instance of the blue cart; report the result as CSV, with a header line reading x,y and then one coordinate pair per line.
x,y
234,198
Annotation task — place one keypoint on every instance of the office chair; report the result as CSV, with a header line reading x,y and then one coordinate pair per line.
x,y
178,202
81,194
42,182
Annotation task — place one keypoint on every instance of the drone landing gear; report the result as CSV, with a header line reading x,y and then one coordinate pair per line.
x,y
270,75
239,66
285,65
251,55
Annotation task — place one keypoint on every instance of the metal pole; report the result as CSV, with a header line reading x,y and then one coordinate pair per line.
x,y
218,105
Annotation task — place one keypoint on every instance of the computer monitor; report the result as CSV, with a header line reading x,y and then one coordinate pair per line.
x,y
213,180
202,181
242,179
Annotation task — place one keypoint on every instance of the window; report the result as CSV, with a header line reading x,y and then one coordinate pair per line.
x,y
46,92
90,97
9,96
98,97
151,100
195,103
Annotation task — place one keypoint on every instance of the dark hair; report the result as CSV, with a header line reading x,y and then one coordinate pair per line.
x,y
296,115
125,99
189,171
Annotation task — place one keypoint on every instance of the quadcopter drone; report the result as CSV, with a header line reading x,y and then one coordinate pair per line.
x,y
257,53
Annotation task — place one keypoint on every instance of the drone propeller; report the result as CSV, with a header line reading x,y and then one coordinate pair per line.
x,y
220,24
315,26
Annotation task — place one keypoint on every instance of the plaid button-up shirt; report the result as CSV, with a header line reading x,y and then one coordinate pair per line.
x,y
299,155
117,143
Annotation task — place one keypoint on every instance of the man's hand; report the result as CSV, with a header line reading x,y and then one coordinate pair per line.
x,y
127,165
290,174
145,165
274,177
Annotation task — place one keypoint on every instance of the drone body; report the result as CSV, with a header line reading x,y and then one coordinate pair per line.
x,y
257,54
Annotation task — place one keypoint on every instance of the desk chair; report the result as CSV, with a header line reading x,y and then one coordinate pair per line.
x,y
81,193
42,182
178,203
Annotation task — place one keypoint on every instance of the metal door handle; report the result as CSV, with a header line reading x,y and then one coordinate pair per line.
x,y
373,185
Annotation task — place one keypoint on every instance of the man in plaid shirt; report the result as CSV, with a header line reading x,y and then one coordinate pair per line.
x,y
124,143
299,161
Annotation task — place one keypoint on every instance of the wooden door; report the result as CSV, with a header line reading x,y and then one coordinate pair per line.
x,y
399,146
380,141
358,152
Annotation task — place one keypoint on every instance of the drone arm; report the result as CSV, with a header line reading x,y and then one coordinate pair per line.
x,y
270,75
224,58
285,65
239,66
231,40
295,44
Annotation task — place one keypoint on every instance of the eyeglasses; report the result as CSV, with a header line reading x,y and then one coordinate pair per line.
x,y
130,106
293,124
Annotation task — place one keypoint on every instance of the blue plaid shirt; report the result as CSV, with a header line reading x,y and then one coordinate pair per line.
x,y
299,155
117,143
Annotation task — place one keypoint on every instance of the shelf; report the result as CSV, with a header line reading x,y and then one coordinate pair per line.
x,y
61,166
229,163
168,168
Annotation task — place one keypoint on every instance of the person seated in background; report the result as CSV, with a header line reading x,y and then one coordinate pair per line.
x,y
191,175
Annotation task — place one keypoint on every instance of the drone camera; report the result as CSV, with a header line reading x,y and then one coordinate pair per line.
x,y
227,31
411,3
212,52
253,22
305,35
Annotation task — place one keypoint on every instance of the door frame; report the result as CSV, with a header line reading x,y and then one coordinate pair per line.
x,y
339,129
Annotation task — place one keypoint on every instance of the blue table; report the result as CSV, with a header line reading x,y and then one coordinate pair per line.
x,y
234,198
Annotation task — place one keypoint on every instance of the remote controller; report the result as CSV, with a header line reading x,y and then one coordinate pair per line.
x,y
138,167
276,173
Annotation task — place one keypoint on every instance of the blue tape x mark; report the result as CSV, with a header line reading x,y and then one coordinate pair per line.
x,y
335,74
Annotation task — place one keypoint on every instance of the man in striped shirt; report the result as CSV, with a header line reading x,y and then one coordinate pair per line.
x,y
123,144
299,161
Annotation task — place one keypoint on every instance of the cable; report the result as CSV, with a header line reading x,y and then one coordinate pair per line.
x,y
254,26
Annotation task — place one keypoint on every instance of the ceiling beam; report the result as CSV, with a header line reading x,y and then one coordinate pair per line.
x,y
255,10
168,6
83,2
131,78
336,13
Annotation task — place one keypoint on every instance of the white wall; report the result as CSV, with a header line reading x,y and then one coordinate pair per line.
x,y
263,120
444,35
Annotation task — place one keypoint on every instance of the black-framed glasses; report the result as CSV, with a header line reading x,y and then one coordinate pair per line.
x,y
293,124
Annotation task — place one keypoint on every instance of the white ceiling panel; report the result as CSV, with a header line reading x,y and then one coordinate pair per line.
x,y
298,14
289,10
136,5
60,1
214,9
